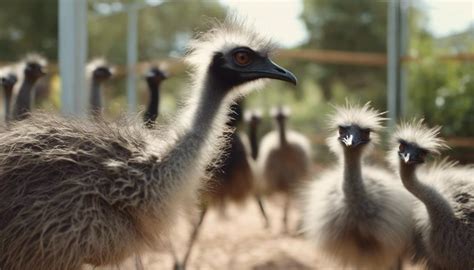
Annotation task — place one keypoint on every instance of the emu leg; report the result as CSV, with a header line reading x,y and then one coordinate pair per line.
x,y
262,211
286,208
192,240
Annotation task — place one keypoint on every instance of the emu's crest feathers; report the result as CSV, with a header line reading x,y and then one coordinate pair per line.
x,y
352,114
417,132
222,37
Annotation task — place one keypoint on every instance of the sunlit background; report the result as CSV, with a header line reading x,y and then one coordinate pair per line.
x,y
318,39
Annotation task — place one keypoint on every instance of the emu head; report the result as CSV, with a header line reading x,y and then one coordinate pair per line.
x,y
8,81
356,127
241,64
34,70
99,70
253,118
101,73
413,141
231,55
280,114
156,75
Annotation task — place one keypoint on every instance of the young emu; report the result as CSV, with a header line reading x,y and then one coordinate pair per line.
x,y
8,80
154,78
80,191
356,214
284,160
33,69
444,211
98,72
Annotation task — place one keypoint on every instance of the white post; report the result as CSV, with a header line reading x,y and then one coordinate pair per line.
x,y
72,55
393,63
132,40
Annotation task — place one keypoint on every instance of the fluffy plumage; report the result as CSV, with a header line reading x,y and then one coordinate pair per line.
x,y
444,211
357,214
76,192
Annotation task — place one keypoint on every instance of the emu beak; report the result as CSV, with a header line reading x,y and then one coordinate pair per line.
x,y
406,157
348,140
268,69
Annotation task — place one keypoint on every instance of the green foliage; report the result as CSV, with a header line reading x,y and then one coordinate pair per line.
x,y
356,26
26,26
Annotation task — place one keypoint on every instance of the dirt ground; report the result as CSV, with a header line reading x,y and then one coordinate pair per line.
x,y
239,241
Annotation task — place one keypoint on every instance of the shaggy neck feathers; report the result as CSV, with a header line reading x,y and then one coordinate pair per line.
x,y
188,156
438,208
353,185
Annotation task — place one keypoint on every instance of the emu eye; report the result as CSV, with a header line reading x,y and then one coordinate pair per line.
x,y
401,148
342,130
242,58
365,134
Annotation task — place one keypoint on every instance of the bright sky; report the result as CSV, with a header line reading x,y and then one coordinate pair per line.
x,y
280,18
449,16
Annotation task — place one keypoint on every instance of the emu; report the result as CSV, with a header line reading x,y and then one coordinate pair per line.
x,y
80,192
98,72
8,80
33,68
284,160
444,209
357,214
154,78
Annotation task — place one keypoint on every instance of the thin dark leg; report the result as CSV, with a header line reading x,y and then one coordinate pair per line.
x,y
286,208
192,240
262,211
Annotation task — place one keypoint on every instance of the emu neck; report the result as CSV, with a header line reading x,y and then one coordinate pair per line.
x,y
183,165
23,100
438,208
95,98
8,95
353,185
152,109
282,132
253,141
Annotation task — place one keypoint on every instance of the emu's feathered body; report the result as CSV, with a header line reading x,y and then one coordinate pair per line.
x,y
70,185
356,214
76,192
284,165
444,213
284,161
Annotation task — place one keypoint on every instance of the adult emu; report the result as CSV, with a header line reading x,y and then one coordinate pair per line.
x,y
80,192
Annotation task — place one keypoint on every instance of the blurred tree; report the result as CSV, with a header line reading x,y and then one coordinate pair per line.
x,y
356,26
26,26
